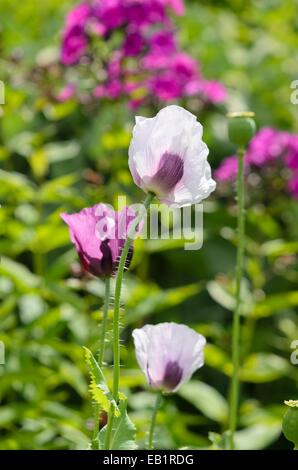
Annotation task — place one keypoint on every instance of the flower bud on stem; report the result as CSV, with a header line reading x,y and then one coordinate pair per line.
x,y
290,422
241,130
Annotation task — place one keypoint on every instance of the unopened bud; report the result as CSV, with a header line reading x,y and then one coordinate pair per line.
x,y
241,127
290,422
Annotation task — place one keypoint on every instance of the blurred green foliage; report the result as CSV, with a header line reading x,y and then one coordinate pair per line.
x,y
62,157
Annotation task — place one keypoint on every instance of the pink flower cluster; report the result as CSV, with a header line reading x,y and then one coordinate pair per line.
x,y
147,62
268,147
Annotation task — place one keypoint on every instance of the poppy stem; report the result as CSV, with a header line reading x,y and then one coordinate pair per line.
x,y
109,428
94,444
235,383
104,322
158,402
116,317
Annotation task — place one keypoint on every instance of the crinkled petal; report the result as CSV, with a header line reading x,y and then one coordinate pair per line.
x,y
168,352
158,143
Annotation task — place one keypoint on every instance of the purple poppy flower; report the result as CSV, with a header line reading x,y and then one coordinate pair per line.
x,y
168,354
99,233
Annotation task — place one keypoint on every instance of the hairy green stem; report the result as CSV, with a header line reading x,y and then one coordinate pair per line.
x,y
116,317
153,420
94,443
104,322
234,397
108,435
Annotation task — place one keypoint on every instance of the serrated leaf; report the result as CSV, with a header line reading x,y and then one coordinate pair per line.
x,y
123,430
206,399
98,388
98,396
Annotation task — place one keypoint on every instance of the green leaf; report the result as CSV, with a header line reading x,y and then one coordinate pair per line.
x,y
263,367
257,368
149,303
275,248
275,303
123,431
15,185
59,151
58,189
224,296
39,163
206,399
98,387
257,437
17,272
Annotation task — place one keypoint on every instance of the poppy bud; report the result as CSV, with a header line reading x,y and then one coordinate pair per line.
x,y
290,422
241,128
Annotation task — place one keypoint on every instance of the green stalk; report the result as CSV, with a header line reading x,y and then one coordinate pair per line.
x,y
153,420
234,397
104,322
116,317
109,428
118,287
94,443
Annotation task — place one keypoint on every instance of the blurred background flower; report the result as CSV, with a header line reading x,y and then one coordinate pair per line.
x,y
128,49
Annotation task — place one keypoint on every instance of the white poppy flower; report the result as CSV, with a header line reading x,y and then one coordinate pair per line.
x,y
168,157
168,354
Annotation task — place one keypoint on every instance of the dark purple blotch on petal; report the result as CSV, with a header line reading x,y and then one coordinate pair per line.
x,y
169,173
172,375
107,258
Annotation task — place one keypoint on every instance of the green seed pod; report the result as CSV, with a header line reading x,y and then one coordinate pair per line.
x,y
290,422
241,128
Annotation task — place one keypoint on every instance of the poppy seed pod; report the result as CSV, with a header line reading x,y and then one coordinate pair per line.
x,y
241,128
290,422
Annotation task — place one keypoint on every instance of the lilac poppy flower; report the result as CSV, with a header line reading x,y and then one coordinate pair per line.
x,y
168,354
168,157
99,234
